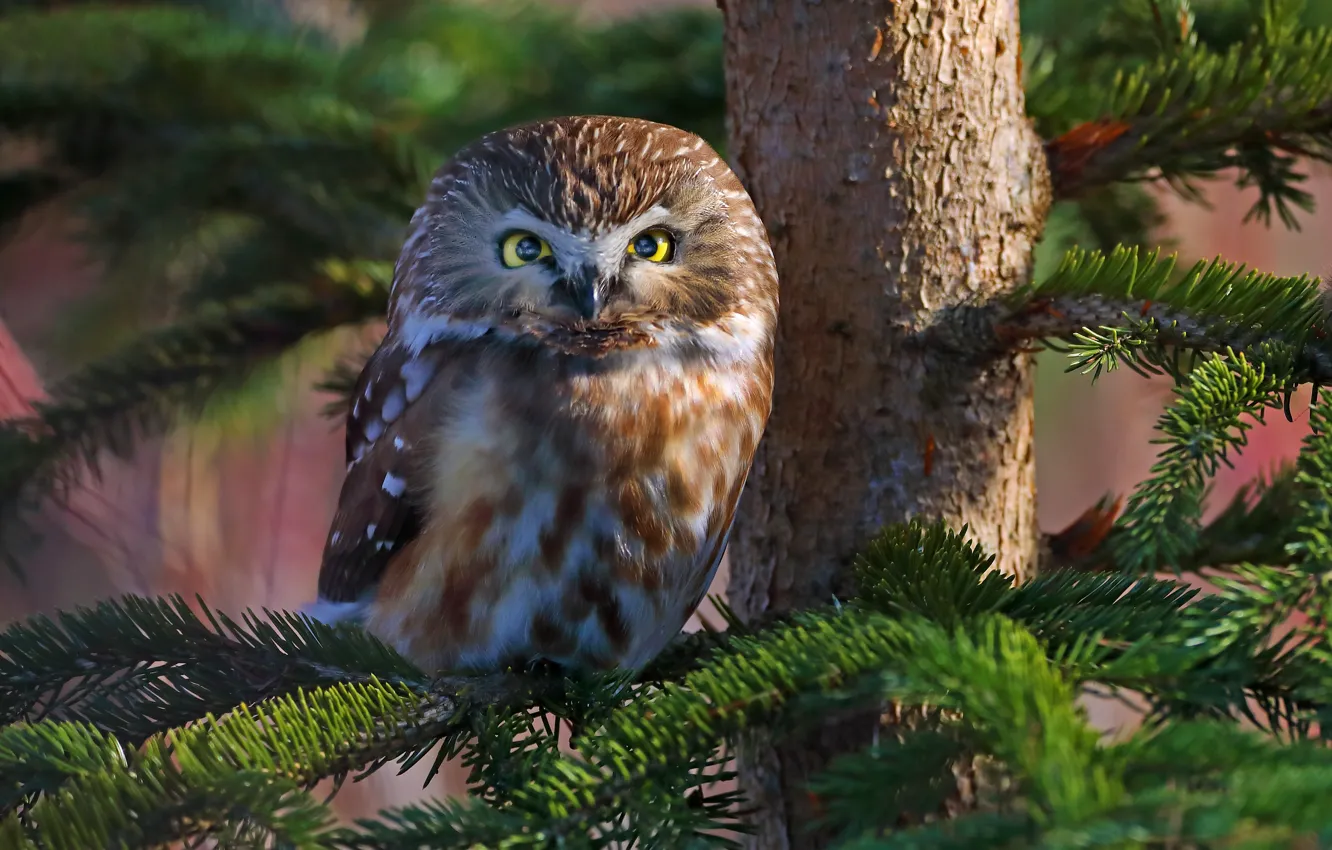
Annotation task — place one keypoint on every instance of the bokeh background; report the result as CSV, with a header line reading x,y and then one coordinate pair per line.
x,y
235,506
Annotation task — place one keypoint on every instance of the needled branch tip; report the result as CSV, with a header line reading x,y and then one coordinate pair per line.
x,y
1190,110
1139,311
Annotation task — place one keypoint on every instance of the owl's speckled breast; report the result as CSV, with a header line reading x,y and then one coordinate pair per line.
x,y
576,516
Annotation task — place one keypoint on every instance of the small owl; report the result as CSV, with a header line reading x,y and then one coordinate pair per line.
x,y
546,451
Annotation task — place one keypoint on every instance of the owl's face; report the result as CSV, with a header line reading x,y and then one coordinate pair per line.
x,y
580,224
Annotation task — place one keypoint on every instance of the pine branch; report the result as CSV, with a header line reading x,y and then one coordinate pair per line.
x,y
146,387
211,781
891,782
1137,310
1187,654
38,758
1255,527
1218,404
931,625
628,782
1257,106
1135,634
1310,546
139,666
1189,784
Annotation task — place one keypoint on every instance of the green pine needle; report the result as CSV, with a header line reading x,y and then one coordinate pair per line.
x,y
1194,109
1220,402
136,666
144,388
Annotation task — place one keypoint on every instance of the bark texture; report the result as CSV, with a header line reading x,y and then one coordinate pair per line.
x,y
886,146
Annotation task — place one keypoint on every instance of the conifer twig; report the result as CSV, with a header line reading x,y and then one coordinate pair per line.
x,y
1138,306
136,666
141,390
1257,107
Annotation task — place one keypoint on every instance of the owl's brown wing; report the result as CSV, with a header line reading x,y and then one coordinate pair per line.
x,y
718,542
379,511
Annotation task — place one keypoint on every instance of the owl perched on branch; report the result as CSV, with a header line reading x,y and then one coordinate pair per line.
x,y
546,450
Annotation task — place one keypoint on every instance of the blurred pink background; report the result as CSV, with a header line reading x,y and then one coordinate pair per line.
x,y
238,514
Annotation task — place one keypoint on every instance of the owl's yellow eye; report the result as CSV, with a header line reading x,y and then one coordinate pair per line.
x,y
521,248
655,246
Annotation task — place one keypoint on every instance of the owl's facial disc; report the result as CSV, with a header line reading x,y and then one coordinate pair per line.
x,y
580,280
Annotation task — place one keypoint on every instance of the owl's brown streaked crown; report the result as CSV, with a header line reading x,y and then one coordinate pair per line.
x,y
586,177
588,174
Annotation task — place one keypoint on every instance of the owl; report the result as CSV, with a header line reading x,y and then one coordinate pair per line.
x,y
546,450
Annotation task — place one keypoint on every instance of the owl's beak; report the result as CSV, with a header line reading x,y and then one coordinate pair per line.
x,y
581,290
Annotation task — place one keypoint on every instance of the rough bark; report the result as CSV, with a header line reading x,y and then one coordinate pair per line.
x,y
886,147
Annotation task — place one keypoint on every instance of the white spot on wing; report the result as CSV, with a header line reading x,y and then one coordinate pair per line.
x,y
337,535
393,485
415,374
370,531
393,405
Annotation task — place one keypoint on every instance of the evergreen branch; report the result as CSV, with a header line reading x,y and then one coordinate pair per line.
x,y
144,666
137,666
195,781
646,750
1189,655
1138,310
110,404
757,681
629,782
1256,106
1312,482
896,779
1310,547
38,758
1188,784
1218,404
1253,529
203,783
937,573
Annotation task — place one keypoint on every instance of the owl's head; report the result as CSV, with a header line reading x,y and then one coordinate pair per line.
x,y
577,225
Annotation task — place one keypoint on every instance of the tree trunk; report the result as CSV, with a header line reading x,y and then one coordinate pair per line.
x,y
886,146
